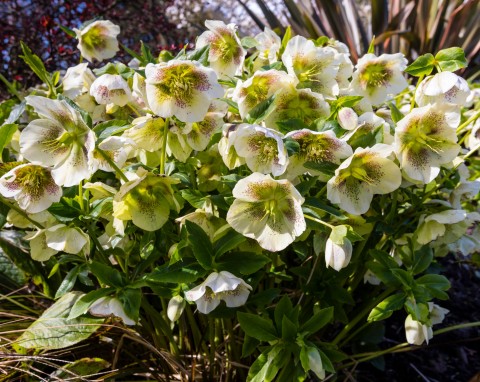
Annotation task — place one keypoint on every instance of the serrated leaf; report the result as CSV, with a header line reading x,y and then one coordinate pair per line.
x,y
318,321
289,330
327,168
107,274
53,330
261,111
84,367
451,59
385,308
227,242
422,66
257,327
36,64
245,263
84,302
404,277
183,271
283,308
397,115
201,245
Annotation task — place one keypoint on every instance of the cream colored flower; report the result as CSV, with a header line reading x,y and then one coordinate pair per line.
x,y
60,138
111,88
183,89
269,44
217,287
267,210
376,78
426,139
262,149
315,67
32,186
318,147
226,53
98,40
443,87
77,80
367,172
110,306
416,332
260,87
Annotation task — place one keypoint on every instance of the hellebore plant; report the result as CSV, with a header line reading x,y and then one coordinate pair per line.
x,y
254,201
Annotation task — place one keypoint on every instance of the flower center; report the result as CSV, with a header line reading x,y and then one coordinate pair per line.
x,y
375,75
94,39
181,80
32,179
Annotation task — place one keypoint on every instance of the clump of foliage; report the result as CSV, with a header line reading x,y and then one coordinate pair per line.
x,y
254,208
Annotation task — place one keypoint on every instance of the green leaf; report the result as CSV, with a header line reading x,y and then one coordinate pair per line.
x,y
261,111
289,330
196,198
404,277
257,327
245,263
283,308
289,125
327,168
147,54
201,246
84,367
250,344
371,47
15,113
68,31
385,309
249,42
227,242
6,134
232,104
69,281
131,300
36,64
286,38
318,321
397,115
315,203
435,284
266,366
107,275
341,102
418,310
105,129
84,302
53,330
422,259
10,273
451,59
200,55
292,146
183,271
422,66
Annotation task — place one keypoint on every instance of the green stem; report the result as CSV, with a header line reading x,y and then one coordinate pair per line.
x,y
404,346
11,88
112,163
135,111
163,158
319,221
21,212
80,196
98,246
346,329
467,122
412,101
471,152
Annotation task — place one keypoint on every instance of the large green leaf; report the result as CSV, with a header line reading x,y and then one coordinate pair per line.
x,y
53,330
245,263
84,367
257,327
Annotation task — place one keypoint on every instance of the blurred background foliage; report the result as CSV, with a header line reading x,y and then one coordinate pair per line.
x,y
413,27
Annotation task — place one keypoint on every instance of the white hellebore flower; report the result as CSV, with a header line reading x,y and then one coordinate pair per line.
x,y
262,148
318,147
338,249
267,210
116,148
219,286
60,138
443,87
269,44
416,332
259,88
377,77
181,88
32,186
347,118
425,139
175,308
111,88
435,225
226,53
315,67
77,80
98,40
110,306
367,172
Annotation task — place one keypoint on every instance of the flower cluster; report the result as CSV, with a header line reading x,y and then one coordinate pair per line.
x,y
244,153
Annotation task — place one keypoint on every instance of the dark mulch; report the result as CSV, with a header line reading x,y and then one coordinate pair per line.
x,y
453,356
